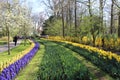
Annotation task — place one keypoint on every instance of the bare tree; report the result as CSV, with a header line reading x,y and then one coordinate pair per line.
x,y
63,25
111,23
70,14
117,3
41,20
102,4
91,16
52,5
75,12
90,8
119,23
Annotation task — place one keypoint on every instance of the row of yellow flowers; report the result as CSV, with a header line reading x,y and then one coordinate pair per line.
x,y
17,57
108,43
105,54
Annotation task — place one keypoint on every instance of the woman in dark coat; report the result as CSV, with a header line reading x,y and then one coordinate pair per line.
x,y
15,40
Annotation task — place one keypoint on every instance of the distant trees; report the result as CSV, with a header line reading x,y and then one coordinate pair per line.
x,y
38,20
79,18
52,26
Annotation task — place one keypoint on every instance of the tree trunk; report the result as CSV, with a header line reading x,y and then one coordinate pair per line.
x,y
63,22
70,18
8,40
111,24
89,7
91,24
103,42
90,12
119,24
75,18
67,20
7,28
94,37
101,13
101,21
25,41
24,36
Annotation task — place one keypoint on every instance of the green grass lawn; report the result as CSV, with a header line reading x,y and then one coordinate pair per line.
x,y
14,51
30,71
3,42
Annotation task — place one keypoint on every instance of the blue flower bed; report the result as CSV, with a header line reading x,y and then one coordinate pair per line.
x,y
12,70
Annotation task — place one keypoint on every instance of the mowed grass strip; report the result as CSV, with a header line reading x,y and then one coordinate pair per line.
x,y
14,51
30,71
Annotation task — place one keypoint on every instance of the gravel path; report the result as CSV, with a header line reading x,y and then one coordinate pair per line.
x,y
5,47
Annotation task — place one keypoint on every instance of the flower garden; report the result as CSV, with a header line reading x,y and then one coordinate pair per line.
x,y
106,60
60,40
59,62
10,68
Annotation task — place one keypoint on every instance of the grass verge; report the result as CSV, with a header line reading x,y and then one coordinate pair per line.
x,y
3,42
30,71
14,51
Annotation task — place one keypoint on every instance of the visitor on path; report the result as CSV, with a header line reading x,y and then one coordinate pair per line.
x,y
15,39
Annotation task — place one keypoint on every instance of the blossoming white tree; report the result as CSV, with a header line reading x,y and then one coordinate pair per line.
x,y
14,18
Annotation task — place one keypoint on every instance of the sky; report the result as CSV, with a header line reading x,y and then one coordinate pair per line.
x,y
36,5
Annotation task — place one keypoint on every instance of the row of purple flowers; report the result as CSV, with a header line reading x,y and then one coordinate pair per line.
x,y
12,70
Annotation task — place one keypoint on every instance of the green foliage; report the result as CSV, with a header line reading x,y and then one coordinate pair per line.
x,y
111,66
3,42
4,56
53,26
5,39
58,63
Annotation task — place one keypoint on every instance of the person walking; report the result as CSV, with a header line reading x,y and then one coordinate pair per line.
x,y
15,40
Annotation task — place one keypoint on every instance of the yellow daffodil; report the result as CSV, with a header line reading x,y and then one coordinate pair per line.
x,y
105,54
17,57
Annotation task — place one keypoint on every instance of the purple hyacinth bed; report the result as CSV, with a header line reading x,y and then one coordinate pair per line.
x,y
12,70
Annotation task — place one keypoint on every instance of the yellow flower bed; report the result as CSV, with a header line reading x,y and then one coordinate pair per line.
x,y
17,57
108,43
105,54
